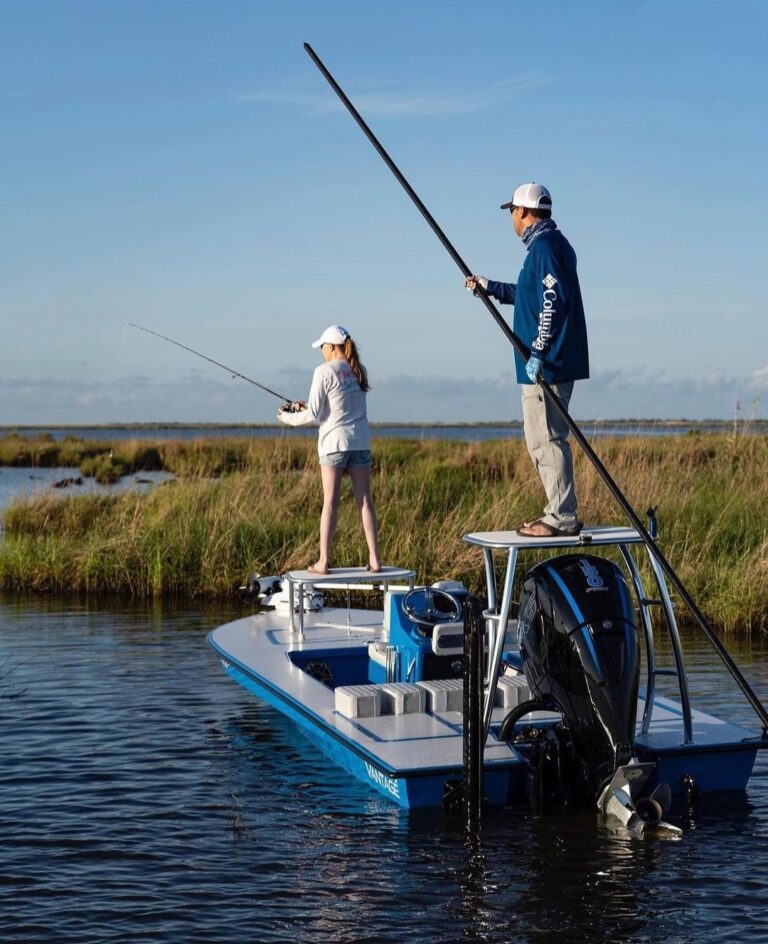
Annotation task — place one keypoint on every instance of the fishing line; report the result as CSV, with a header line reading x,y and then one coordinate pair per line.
x,y
230,370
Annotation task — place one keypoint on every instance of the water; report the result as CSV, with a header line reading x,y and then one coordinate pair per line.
x,y
146,797
18,482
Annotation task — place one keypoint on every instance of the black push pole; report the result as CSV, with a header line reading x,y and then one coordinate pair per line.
x,y
511,336
473,728
577,434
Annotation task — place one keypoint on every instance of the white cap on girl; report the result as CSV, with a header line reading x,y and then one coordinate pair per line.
x,y
334,334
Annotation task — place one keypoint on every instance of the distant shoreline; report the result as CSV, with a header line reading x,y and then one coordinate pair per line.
x,y
485,424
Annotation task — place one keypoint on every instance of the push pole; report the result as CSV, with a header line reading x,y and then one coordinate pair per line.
x,y
473,727
577,434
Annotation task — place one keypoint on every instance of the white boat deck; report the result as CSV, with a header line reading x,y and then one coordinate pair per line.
x,y
351,575
259,646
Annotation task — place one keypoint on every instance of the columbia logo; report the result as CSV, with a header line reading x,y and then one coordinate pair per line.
x,y
549,281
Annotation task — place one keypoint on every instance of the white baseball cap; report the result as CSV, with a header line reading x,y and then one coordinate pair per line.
x,y
333,334
532,195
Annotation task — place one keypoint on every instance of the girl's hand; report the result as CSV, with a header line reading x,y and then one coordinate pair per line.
x,y
295,406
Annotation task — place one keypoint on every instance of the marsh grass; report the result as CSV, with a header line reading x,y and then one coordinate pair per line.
x,y
253,504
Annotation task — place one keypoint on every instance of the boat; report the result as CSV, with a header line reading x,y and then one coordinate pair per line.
x,y
571,707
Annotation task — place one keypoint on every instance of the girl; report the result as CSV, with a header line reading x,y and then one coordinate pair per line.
x,y
337,403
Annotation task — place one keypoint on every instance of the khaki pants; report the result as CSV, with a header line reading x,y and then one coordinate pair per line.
x,y
546,435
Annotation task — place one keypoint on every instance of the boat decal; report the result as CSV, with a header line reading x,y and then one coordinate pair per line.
x,y
567,594
594,580
587,634
382,780
577,613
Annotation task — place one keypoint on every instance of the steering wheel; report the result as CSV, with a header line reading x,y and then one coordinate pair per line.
x,y
428,606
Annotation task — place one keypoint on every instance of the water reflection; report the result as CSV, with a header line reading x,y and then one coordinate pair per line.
x,y
182,808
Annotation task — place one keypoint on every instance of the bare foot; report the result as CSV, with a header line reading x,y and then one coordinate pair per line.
x,y
527,524
318,568
538,529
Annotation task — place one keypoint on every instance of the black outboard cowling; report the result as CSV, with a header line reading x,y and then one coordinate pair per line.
x,y
580,651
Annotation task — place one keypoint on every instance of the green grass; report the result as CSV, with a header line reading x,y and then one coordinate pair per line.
x,y
253,504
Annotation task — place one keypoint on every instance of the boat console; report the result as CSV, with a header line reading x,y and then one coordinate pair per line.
x,y
425,635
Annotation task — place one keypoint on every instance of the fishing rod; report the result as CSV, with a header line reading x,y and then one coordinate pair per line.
x,y
233,372
577,434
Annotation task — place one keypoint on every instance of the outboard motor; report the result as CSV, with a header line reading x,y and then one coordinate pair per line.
x,y
580,653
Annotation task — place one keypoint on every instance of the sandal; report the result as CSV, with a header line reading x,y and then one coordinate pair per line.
x,y
538,529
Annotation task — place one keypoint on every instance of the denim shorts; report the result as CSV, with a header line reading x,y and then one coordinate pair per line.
x,y
356,459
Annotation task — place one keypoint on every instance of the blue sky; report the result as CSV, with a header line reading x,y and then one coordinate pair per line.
x,y
182,164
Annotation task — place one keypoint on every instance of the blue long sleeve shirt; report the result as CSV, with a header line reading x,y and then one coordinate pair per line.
x,y
549,313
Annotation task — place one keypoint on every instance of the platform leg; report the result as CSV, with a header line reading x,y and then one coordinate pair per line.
x,y
498,636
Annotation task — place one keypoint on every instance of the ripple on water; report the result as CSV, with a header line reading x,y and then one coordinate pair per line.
x,y
146,797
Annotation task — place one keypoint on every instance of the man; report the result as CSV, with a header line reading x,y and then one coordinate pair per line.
x,y
549,319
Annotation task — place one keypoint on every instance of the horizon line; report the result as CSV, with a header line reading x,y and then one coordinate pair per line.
x,y
412,424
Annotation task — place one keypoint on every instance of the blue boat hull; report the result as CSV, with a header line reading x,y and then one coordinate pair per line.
x,y
415,761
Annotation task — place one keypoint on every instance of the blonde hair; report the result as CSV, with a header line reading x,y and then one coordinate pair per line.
x,y
352,357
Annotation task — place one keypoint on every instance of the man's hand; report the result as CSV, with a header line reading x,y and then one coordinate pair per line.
x,y
533,368
471,283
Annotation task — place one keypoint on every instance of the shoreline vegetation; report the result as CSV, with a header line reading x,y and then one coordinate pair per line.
x,y
241,504
743,424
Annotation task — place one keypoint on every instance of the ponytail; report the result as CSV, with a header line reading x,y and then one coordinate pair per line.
x,y
353,359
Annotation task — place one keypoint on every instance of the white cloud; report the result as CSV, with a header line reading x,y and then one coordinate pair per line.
x,y
396,103
197,397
